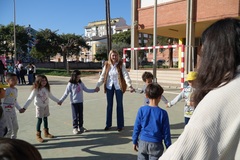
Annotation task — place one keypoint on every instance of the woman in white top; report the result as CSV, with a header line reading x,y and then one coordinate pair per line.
x,y
213,131
116,79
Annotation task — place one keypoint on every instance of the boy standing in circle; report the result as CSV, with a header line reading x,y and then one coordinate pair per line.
x,y
151,126
147,78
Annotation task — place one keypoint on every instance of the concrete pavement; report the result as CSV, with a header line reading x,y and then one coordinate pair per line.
x,y
96,143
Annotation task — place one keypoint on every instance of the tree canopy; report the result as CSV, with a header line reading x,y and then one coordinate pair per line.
x,y
7,39
47,43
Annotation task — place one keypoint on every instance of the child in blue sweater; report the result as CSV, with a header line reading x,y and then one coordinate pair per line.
x,y
76,87
151,126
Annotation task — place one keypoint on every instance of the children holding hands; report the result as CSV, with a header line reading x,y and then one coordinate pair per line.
x,y
41,94
9,104
75,88
3,121
186,94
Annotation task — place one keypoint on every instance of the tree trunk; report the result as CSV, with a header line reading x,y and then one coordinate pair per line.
x,y
67,64
65,60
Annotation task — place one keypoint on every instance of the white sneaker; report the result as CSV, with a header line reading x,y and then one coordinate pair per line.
x,y
75,131
82,129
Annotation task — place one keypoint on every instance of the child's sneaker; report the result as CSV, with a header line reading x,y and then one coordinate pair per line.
x,y
82,129
75,131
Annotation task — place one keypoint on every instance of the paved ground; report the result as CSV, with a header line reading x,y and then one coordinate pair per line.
x,y
96,143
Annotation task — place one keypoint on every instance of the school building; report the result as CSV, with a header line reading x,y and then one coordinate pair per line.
x,y
181,19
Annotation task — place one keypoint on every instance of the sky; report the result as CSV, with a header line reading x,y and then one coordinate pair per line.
x,y
63,16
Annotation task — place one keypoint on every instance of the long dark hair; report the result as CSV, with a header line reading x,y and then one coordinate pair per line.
x,y
74,75
220,56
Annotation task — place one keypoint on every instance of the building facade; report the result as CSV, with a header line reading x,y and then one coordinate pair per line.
x,y
98,28
96,34
182,19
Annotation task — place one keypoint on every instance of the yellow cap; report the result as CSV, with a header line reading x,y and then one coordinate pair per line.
x,y
4,85
191,76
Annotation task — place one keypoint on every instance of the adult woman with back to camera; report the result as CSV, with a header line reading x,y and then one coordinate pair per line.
x,y
213,131
115,78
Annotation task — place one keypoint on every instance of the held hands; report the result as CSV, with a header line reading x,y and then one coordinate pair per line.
x,y
131,89
59,103
168,105
22,110
97,89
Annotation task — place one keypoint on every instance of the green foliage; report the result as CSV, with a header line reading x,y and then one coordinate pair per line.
x,y
61,72
72,43
119,48
7,36
38,55
162,40
48,42
123,37
101,53
46,46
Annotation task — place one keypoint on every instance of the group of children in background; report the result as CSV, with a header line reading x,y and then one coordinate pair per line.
x,y
21,71
151,125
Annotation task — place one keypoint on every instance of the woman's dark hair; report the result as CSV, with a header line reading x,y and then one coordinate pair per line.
x,y
146,75
16,149
154,91
74,75
219,58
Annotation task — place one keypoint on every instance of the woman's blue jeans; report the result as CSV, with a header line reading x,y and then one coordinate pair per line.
x,y
119,99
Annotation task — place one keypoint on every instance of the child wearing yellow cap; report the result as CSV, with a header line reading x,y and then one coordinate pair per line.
x,y
186,95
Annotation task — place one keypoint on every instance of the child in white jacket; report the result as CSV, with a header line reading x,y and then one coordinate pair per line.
x,y
186,95
41,94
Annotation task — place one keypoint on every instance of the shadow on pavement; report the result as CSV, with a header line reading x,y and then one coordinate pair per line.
x,y
57,82
101,156
174,127
177,126
90,142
